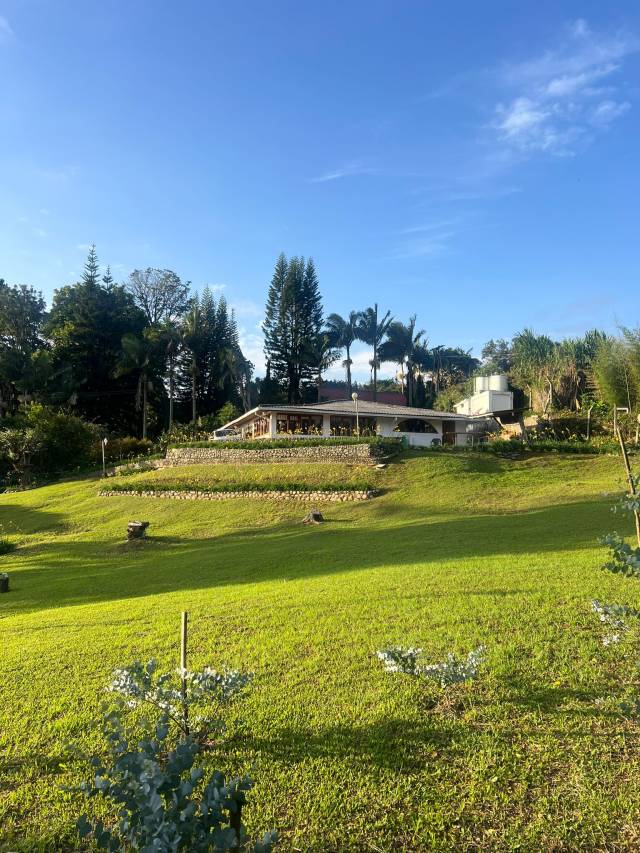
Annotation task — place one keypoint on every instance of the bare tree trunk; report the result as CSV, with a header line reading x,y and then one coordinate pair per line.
x,y
193,389
171,392
144,405
348,371
375,368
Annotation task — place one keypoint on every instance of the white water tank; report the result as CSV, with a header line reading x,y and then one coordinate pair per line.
x,y
481,384
498,382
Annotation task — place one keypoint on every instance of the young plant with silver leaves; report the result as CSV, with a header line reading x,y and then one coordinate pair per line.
x,y
452,670
205,691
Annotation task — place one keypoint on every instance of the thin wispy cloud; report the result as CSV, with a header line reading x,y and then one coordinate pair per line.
x,y
428,245
6,32
349,171
430,227
563,97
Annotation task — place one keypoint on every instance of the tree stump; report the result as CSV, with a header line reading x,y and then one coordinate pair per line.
x,y
314,517
137,529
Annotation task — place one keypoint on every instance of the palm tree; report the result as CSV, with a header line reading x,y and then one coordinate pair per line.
x,y
372,331
402,346
321,353
341,334
136,357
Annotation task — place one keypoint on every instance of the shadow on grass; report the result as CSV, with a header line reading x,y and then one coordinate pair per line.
x,y
26,520
77,572
393,744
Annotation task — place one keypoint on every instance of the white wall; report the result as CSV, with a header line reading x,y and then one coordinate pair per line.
x,y
484,402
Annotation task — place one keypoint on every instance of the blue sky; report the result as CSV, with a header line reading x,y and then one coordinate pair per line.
x,y
474,163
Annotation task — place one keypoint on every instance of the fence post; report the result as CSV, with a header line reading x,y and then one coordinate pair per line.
x,y
183,672
630,480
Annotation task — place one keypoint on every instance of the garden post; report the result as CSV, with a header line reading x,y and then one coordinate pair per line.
x,y
183,673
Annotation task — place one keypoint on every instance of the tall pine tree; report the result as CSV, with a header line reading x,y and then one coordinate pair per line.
x,y
293,322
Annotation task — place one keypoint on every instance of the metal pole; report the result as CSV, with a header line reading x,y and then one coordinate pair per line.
x,y
104,461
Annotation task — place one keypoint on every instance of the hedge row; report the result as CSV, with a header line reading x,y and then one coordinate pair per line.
x,y
509,445
549,445
274,443
139,488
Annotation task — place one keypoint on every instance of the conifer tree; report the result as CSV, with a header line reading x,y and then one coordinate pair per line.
x,y
293,322
107,278
91,274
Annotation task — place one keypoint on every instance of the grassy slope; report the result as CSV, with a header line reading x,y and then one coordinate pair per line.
x,y
312,474
460,550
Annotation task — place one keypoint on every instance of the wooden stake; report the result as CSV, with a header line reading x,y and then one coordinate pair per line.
x,y
630,481
183,673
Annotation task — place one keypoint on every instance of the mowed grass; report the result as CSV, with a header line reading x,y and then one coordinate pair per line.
x,y
459,550
312,475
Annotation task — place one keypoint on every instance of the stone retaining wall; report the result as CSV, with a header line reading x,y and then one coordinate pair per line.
x,y
362,453
318,496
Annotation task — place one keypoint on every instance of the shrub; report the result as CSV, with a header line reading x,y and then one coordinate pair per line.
x,y
256,486
614,617
117,449
163,800
453,670
384,443
140,684
65,440
513,445
625,560
5,546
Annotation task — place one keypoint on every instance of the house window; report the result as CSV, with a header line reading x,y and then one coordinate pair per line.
x,y
415,425
260,427
346,425
288,424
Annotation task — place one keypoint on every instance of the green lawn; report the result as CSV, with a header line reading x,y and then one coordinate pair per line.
x,y
312,475
459,550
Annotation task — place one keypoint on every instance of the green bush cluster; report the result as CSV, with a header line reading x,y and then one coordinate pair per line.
x,y
549,445
119,449
160,486
5,546
390,444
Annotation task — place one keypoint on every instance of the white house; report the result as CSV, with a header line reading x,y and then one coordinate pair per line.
x,y
422,427
491,397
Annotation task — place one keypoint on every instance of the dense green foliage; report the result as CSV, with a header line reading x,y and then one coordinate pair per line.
x,y
385,443
128,356
460,550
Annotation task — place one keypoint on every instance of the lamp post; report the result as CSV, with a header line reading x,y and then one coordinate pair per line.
x,y
104,461
354,397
